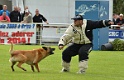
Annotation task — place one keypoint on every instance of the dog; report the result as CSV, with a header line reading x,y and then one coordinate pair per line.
x,y
31,57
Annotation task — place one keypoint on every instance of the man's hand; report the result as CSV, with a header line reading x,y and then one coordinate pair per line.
x,y
46,22
61,47
111,22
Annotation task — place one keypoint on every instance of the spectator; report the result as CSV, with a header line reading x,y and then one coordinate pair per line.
x,y
38,18
115,16
21,14
15,15
4,18
4,10
120,20
19,9
26,8
27,17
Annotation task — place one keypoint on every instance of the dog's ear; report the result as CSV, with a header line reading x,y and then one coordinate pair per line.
x,y
45,48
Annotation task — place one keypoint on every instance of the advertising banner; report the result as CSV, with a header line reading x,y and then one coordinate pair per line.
x,y
116,34
17,33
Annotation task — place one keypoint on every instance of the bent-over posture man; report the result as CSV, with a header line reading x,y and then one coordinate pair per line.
x,y
80,34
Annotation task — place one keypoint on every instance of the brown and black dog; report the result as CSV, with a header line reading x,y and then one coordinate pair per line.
x,y
31,57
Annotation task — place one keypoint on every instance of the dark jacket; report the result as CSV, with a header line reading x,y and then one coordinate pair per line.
x,y
40,18
15,16
119,22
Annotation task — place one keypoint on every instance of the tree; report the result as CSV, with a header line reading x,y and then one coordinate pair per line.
x,y
118,6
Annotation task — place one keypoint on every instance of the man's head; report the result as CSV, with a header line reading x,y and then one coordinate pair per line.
x,y
4,14
19,9
4,7
36,11
15,8
78,20
121,16
115,16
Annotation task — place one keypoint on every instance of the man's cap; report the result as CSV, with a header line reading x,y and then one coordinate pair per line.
x,y
77,17
121,14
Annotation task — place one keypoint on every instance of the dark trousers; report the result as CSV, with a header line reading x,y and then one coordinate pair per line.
x,y
82,50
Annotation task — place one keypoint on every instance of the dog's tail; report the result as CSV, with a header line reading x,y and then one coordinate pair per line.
x,y
11,48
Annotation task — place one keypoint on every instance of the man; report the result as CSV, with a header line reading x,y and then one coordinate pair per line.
x,y
15,15
120,20
4,10
38,18
23,14
115,16
80,34
4,18
27,17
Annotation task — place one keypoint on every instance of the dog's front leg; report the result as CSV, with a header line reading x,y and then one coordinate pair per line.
x,y
36,66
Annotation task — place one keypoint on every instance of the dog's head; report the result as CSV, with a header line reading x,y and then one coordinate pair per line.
x,y
49,50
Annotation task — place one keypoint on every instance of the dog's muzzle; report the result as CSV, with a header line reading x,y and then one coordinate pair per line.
x,y
51,50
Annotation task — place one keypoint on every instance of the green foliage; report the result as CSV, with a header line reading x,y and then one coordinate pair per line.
x,y
118,45
103,65
118,6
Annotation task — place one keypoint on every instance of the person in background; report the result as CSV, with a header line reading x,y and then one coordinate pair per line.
x,y
38,18
80,34
4,10
19,9
15,15
4,18
23,15
115,16
27,17
120,20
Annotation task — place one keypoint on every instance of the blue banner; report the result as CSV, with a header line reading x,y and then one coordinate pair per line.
x,y
116,34
95,10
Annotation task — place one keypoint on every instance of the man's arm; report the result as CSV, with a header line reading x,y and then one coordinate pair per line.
x,y
44,19
6,20
99,24
3,20
66,38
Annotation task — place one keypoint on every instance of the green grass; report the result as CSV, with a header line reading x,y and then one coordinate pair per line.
x,y
103,65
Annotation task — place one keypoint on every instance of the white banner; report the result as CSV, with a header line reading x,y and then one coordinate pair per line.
x,y
17,33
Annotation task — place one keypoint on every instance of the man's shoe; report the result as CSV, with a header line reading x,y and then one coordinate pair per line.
x,y
81,72
64,70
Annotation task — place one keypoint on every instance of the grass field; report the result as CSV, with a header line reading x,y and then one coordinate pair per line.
x,y
103,65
